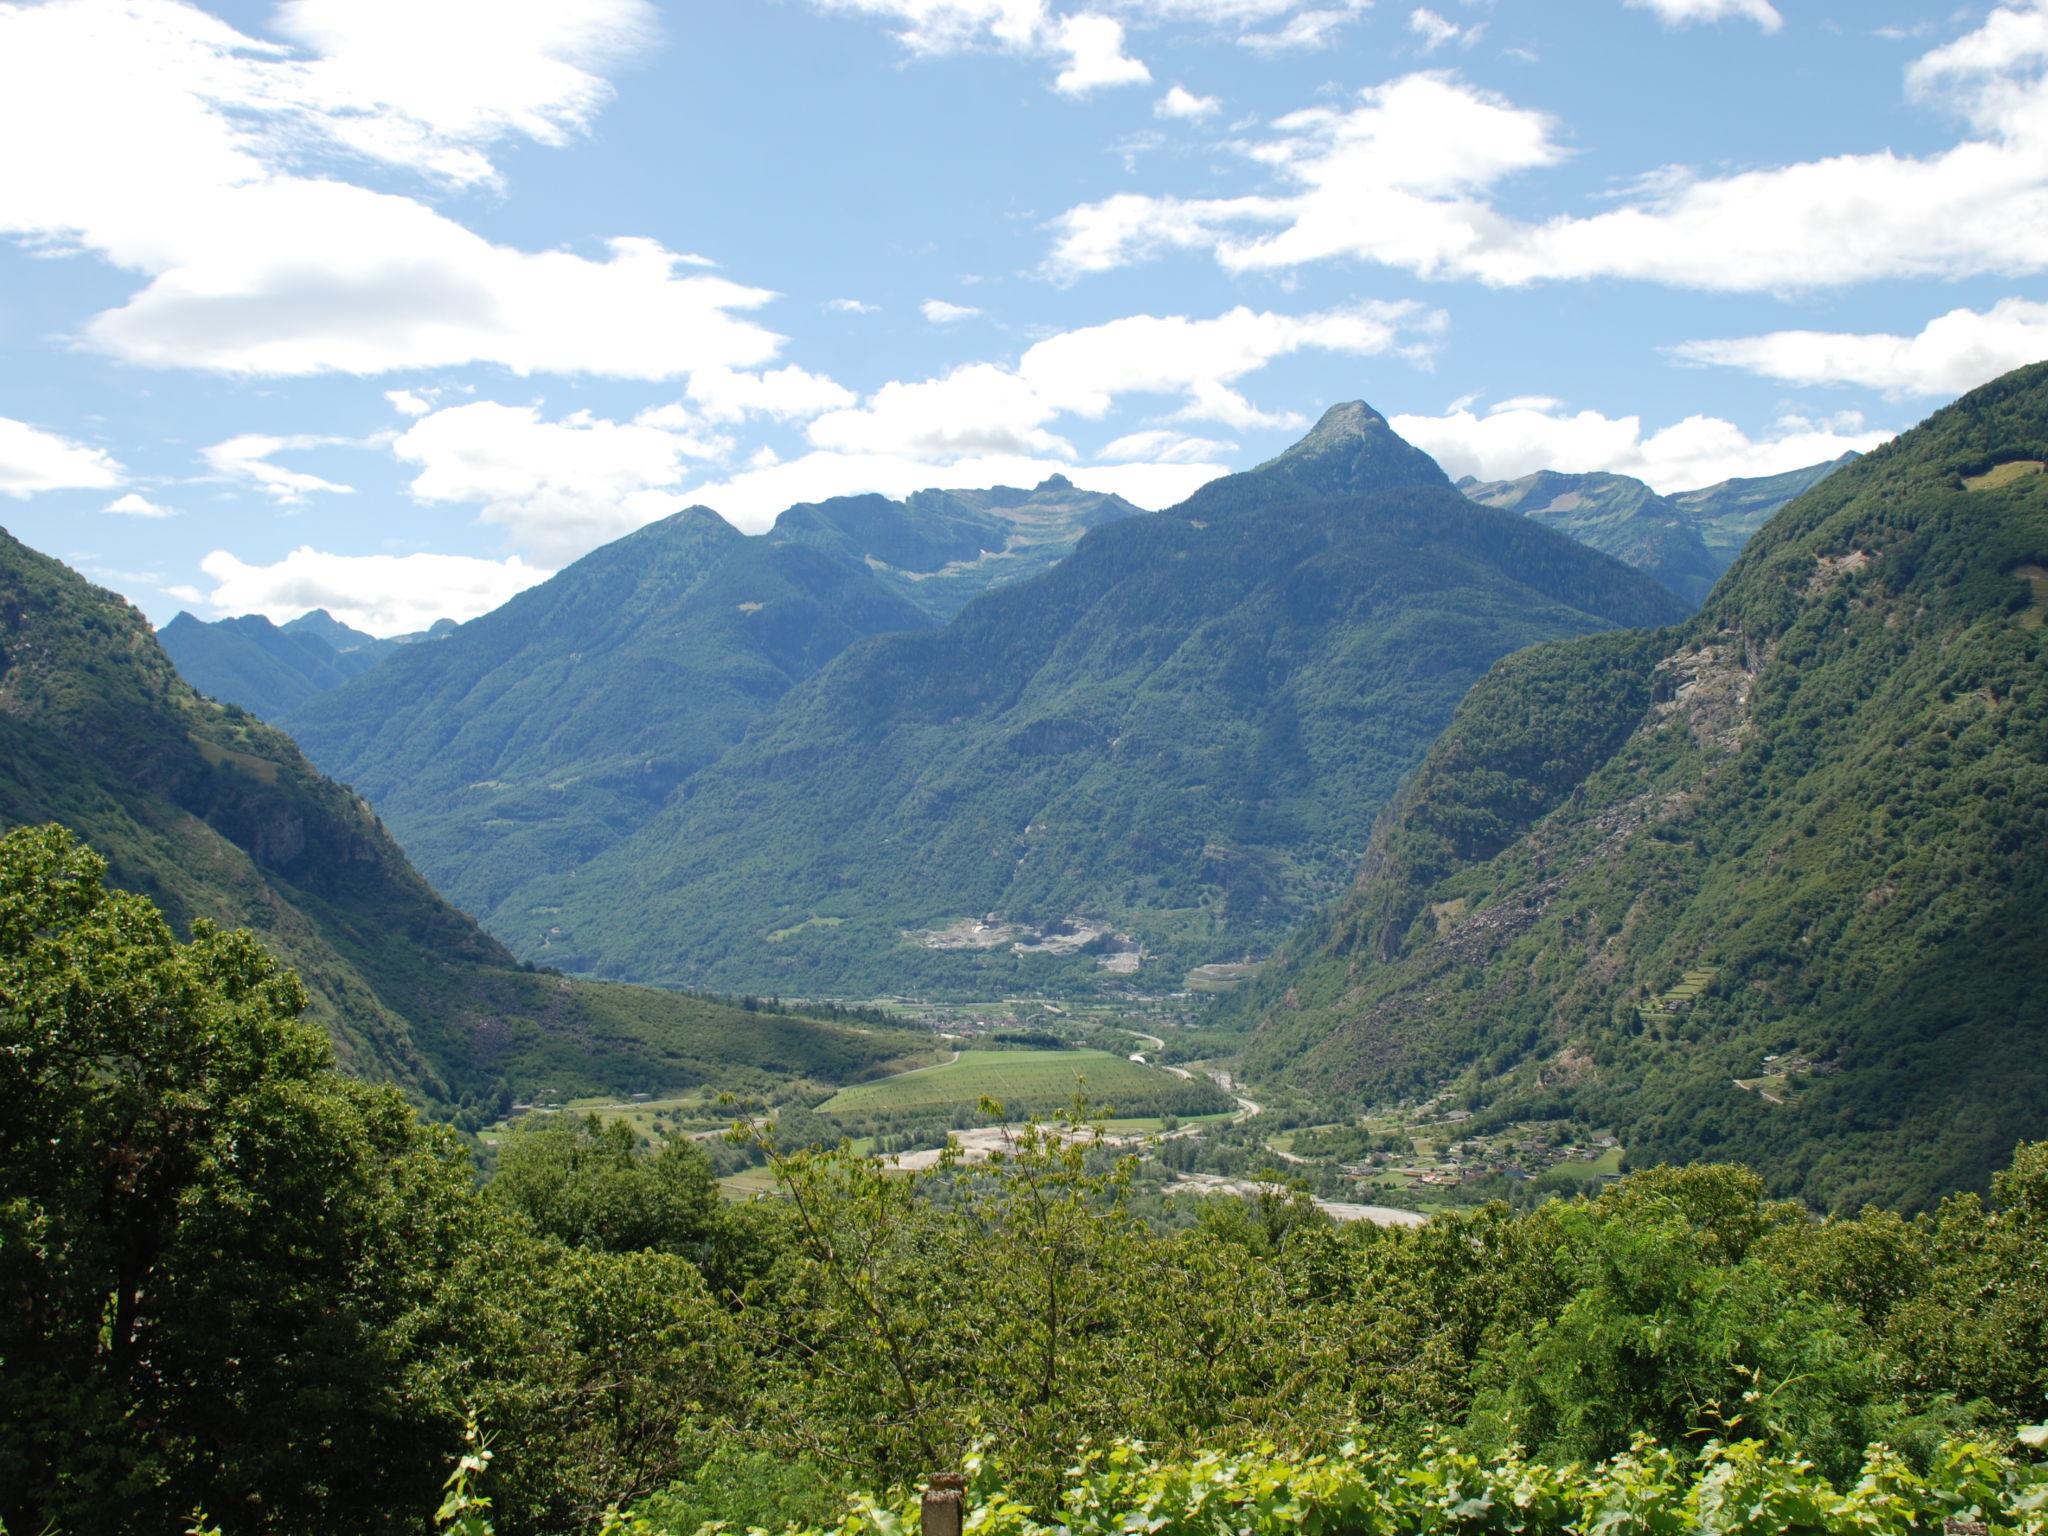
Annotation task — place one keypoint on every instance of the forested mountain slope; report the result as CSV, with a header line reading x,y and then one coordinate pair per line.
x,y
270,669
213,814
533,738
1617,514
1176,738
1729,513
1685,540
1770,885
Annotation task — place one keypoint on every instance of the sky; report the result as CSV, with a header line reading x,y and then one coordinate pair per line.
x,y
394,307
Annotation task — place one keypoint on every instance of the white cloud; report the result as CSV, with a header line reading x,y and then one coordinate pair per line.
x,y
33,460
408,402
559,488
1523,436
1184,105
1305,30
133,505
1436,31
940,312
248,456
1408,179
179,149
1094,46
785,394
852,307
1392,179
1160,445
1952,353
980,409
430,85
384,594
1090,42
986,408
1681,13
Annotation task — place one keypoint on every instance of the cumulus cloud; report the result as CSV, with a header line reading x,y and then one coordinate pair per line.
x,y
33,460
561,487
1184,105
1681,13
1519,437
247,458
133,505
1950,354
432,85
785,394
990,408
177,148
1162,445
1394,178
1305,30
558,488
408,402
1409,178
1090,42
1437,30
1094,46
941,312
383,594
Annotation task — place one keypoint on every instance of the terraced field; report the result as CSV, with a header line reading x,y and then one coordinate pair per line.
x,y
1666,1006
1030,1080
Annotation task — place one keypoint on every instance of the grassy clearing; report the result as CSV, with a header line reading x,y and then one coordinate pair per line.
x,y
1606,1166
810,922
1018,1078
2004,475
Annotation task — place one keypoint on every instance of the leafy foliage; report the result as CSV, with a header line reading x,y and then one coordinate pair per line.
x,y
232,1279
1825,799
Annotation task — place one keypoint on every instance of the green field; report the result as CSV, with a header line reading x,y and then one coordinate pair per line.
x,y
1029,1080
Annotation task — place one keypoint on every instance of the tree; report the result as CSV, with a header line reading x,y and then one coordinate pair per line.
x,y
204,1232
588,1182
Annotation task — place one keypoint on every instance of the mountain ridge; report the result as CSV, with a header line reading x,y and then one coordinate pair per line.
x,y
923,779
1767,884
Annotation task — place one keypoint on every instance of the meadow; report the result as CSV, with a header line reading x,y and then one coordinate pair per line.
x,y
1023,1080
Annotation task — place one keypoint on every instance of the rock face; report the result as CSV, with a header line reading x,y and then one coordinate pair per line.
x,y
1809,824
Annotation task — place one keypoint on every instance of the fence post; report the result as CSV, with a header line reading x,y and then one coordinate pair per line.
x,y
945,1504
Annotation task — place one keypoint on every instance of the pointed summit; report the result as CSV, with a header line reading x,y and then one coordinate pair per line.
x,y
1350,452
1352,449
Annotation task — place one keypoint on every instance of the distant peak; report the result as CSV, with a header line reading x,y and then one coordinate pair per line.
x,y
1053,483
1352,449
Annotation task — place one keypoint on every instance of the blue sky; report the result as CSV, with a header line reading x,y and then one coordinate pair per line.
x,y
394,306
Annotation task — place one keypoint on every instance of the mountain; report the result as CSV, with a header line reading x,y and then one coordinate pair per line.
x,y
1684,541
1174,741
1729,514
263,667
942,549
1618,515
1766,886
528,741
214,814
